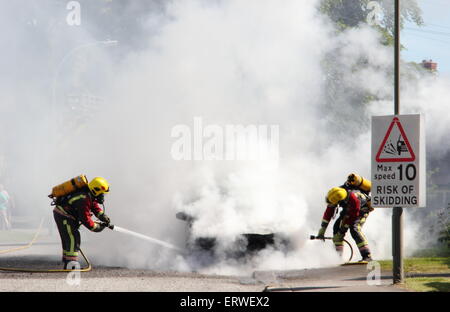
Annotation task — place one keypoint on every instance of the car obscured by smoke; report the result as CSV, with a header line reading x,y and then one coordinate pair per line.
x,y
243,245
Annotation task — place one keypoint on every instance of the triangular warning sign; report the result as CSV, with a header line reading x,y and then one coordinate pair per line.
x,y
395,146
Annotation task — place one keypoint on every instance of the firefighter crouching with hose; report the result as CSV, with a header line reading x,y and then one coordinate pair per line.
x,y
354,199
75,202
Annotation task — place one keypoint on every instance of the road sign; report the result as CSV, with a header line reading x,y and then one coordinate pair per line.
x,y
398,161
393,149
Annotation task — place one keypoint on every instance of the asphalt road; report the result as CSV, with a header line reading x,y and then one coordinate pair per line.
x,y
108,279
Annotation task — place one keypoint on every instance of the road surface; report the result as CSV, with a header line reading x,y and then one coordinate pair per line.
x,y
109,279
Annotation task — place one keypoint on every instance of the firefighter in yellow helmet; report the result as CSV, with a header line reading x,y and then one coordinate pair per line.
x,y
77,208
355,204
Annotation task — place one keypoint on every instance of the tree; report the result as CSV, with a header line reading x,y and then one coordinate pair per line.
x,y
344,96
444,234
352,13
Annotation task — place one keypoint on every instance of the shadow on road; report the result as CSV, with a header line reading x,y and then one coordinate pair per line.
x,y
287,289
439,286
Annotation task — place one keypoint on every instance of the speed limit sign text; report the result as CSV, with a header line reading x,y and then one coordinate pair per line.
x,y
398,161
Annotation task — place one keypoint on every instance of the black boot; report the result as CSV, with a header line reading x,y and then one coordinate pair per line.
x,y
365,254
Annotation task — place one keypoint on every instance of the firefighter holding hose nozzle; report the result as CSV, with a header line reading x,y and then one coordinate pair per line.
x,y
75,202
354,199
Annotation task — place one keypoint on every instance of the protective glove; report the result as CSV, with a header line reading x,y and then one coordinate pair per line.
x,y
103,217
99,226
321,234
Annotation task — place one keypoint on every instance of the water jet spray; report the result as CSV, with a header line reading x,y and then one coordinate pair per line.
x,y
144,237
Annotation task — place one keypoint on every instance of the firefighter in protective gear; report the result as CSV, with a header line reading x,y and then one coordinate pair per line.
x,y
77,208
355,204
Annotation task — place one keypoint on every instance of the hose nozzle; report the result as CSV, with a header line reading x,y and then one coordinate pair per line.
x,y
312,237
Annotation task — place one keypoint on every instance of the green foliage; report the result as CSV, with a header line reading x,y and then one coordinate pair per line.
x,y
444,233
433,252
342,96
439,229
339,13
387,38
430,173
345,13
352,13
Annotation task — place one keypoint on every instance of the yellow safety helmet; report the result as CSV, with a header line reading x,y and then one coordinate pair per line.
x,y
98,186
335,195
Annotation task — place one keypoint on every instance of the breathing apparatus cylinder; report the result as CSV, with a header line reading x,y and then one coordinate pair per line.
x,y
69,186
357,181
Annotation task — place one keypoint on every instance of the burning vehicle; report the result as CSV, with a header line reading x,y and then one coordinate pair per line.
x,y
245,244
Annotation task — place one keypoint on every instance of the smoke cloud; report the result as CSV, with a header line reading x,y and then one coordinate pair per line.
x,y
72,101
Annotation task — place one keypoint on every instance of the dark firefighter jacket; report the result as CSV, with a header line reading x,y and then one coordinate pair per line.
x,y
80,206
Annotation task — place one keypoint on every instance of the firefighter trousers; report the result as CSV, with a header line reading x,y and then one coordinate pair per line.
x,y
358,236
70,237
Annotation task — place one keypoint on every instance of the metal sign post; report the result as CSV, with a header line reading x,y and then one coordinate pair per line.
x,y
398,162
397,214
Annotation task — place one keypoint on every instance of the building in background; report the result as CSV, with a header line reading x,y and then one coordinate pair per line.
x,y
430,65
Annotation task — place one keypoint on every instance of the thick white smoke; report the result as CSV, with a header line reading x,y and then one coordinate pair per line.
x,y
231,62
254,64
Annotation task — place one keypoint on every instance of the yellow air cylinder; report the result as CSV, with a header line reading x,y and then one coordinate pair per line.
x,y
359,182
69,186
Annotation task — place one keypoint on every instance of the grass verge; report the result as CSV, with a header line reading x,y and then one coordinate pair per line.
x,y
431,265
428,284
421,265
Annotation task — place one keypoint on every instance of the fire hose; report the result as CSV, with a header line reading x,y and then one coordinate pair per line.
x,y
29,270
89,266
312,237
